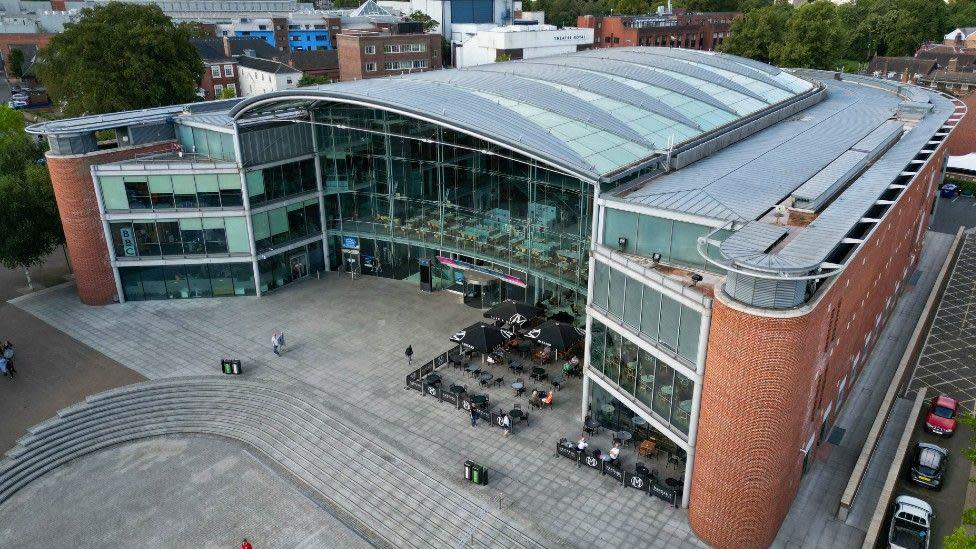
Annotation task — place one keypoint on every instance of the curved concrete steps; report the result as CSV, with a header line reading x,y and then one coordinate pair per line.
x,y
384,497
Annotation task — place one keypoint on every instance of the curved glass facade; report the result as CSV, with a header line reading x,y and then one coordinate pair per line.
x,y
389,178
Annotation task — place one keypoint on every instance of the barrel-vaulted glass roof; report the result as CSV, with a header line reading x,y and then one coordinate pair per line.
x,y
592,113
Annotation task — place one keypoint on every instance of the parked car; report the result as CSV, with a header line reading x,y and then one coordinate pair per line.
x,y
17,104
941,419
911,524
928,466
19,97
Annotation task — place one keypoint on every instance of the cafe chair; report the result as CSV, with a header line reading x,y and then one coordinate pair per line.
x,y
647,448
498,381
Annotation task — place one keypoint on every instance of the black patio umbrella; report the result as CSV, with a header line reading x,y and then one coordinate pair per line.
x,y
481,337
557,335
513,312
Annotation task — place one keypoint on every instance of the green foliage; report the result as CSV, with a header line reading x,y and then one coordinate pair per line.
x,y
961,13
16,62
30,228
195,29
428,22
310,80
813,37
120,57
227,93
346,4
503,56
17,150
631,7
759,34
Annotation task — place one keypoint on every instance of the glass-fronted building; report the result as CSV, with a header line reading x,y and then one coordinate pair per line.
x,y
673,202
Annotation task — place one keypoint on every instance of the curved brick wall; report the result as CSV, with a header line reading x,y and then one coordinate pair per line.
x,y
83,233
747,457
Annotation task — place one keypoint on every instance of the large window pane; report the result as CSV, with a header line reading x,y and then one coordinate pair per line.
x,y
632,305
617,284
619,223
185,191
628,366
681,407
146,238
612,367
177,286
113,193
654,236
214,238
645,378
650,313
670,311
684,244
199,280
688,333
137,193
598,345
153,283
601,285
236,232
170,239
131,283
663,390
191,230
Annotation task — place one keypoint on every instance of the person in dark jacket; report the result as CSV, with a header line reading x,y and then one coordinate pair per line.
x,y
409,354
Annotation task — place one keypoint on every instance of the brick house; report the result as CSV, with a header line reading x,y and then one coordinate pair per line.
x,y
402,49
220,66
681,29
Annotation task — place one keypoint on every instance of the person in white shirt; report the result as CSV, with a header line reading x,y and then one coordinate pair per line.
x,y
582,444
507,424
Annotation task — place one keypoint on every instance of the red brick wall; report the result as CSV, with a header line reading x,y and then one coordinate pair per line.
x,y
692,31
963,139
353,59
768,380
74,191
207,81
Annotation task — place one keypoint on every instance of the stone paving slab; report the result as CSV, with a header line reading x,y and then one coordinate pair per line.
x,y
346,339
168,492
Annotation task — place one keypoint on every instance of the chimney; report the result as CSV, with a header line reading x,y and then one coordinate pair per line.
x,y
953,65
226,42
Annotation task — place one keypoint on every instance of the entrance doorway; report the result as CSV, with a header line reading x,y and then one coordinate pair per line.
x,y
299,266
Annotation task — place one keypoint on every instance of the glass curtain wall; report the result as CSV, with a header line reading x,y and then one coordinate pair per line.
x,y
652,315
186,281
278,182
211,236
217,145
171,192
290,223
646,235
414,182
648,380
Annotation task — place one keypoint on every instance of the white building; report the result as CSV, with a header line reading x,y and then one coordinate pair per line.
x,y
257,76
450,14
519,42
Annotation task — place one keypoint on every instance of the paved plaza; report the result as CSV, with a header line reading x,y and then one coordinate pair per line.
x,y
201,491
346,340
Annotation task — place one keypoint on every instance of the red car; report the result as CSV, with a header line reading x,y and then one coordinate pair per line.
x,y
941,419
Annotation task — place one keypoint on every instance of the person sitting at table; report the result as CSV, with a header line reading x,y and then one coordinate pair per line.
x,y
547,400
614,454
535,400
582,443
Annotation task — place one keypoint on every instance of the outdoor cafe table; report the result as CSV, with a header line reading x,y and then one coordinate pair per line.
x,y
486,377
479,399
607,408
473,368
624,436
516,414
518,385
538,371
457,359
458,389
515,365
638,421
432,379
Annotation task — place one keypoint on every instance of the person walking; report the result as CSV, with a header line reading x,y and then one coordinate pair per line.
x,y
474,416
409,353
245,544
281,341
274,343
507,424
7,353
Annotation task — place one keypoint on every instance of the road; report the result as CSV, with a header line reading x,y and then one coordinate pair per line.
x,y
54,370
948,502
951,213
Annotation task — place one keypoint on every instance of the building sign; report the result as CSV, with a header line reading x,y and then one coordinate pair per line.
x,y
570,37
128,241
465,266
350,242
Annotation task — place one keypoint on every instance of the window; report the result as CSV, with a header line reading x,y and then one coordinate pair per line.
x,y
370,67
215,71
229,71
321,37
295,38
391,48
218,89
370,50
289,80
233,88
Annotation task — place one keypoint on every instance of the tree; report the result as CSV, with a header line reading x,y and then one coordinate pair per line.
x,y
16,61
759,33
960,538
961,13
16,148
227,93
30,228
310,80
346,4
118,57
428,22
195,29
813,37
631,7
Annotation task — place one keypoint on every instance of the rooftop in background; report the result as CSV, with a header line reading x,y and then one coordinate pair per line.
x,y
264,65
215,49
